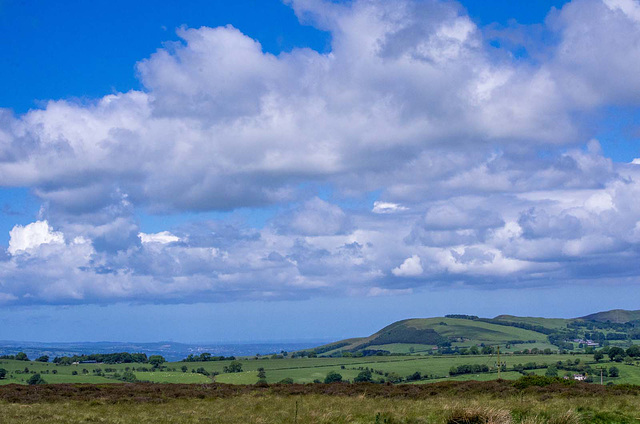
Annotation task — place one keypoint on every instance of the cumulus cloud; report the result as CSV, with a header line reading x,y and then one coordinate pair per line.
x,y
31,236
447,158
411,267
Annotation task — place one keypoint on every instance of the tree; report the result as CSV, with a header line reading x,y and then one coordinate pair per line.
x,y
261,373
36,379
634,351
614,372
287,380
333,377
363,377
3,373
156,360
552,371
617,354
43,358
22,357
184,368
598,355
234,366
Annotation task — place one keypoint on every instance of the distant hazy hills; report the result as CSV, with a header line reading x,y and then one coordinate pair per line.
x,y
464,331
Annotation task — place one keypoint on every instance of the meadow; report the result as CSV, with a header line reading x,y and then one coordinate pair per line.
x,y
302,370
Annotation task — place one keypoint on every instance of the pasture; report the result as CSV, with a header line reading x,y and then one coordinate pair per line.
x,y
303,370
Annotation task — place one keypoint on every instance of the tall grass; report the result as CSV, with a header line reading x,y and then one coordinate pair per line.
x,y
266,407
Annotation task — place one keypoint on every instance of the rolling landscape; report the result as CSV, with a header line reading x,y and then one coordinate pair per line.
x,y
320,211
412,351
443,358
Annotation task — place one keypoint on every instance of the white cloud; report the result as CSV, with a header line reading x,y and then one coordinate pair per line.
x,y
23,239
162,237
387,207
411,267
476,152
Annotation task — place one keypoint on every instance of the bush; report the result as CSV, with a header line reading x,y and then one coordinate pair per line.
x,y
3,373
36,379
129,377
614,372
287,380
333,377
202,371
363,377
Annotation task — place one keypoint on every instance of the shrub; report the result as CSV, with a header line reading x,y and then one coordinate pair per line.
x,y
36,379
129,377
333,377
363,377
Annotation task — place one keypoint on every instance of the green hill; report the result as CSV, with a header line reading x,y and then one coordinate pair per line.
x,y
551,323
617,316
424,334
464,331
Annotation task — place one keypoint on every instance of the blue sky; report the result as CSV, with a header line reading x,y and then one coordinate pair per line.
x,y
394,158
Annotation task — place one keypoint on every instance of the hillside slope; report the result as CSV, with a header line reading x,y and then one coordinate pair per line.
x,y
464,331
618,316
431,332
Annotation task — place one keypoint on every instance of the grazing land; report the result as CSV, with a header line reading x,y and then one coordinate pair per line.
x,y
599,348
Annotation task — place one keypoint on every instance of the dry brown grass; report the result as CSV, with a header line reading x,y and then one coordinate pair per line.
x,y
494,403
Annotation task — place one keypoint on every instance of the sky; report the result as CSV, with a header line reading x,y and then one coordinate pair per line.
x,y
313,170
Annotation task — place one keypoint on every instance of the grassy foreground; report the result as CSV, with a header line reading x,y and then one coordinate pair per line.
x,y
462,402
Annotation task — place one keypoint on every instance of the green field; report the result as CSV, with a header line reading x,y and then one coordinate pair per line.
x,y
301,370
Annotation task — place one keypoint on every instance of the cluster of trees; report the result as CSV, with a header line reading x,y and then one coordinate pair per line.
x,y
106,358
18,357
616,353
468,369
463,316
235,366
207,357
618,331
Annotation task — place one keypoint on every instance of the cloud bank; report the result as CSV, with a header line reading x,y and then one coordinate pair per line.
x,y
481,161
